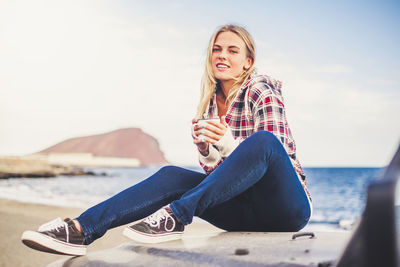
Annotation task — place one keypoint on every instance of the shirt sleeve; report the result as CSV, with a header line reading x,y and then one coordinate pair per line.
x,y
211,161
219,151
269,115
227,143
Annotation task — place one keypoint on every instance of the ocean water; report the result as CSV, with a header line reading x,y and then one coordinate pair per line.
x,y
338,194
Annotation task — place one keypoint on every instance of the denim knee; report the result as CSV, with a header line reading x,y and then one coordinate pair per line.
x,y
175,178
169,171
174,173
302,220
264,139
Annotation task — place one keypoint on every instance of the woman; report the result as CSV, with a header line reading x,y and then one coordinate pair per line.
x,y
253,180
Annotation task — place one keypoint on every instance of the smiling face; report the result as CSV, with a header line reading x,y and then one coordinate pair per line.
x,y
229,57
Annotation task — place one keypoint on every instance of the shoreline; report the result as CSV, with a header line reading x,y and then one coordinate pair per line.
x,y
36,167
17,217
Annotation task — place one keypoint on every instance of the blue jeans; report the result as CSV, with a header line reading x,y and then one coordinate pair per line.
x,y
255,189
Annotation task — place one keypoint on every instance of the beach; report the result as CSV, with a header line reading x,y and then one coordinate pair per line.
x,y
16,217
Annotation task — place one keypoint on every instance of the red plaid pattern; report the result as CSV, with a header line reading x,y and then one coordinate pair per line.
x,y
258,106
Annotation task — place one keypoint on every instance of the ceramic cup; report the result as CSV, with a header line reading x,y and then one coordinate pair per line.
x,y
202,123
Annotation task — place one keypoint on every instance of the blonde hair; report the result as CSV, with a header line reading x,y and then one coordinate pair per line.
x,y
209,83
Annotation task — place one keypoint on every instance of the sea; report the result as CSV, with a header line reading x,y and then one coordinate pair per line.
x,y
338,194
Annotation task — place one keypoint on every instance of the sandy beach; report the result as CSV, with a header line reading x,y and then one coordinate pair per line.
x,y
16,217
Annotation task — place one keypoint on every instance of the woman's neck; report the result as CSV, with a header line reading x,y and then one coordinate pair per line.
x,y
226,86
221,103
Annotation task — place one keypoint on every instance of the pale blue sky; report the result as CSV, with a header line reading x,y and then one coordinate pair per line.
x,y
73,68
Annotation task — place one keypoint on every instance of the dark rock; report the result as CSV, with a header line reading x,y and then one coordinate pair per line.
x,y
241,251
4,175
77,173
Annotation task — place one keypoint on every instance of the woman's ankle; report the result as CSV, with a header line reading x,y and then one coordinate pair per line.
x,y
77,225
170,211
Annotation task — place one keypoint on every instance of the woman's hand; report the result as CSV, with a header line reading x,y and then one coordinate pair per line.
x,y
213,132
201,146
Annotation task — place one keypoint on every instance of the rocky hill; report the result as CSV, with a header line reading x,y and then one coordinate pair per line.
x,y
122,143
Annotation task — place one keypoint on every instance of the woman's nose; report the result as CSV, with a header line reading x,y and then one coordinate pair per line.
x,y
222,55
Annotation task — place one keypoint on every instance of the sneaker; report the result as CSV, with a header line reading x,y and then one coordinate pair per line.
x,y
161,226
58,237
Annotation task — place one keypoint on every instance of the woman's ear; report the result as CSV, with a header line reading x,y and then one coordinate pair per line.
x,y
248,63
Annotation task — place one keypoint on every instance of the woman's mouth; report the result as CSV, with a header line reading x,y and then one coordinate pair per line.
x,y
222,66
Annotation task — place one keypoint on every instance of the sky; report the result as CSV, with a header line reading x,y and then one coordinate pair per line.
x,y
78,68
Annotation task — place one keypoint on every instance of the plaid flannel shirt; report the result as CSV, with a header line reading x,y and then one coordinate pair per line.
x,y
257,106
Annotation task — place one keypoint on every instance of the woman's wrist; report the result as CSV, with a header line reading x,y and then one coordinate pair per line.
x,y
204,152
209,155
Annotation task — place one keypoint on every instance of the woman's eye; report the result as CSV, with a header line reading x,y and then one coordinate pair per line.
x,y
234,51
216,49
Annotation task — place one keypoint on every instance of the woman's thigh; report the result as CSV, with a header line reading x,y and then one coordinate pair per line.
x,y
277,202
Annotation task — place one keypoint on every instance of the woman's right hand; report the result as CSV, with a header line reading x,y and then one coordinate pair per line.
x,y
201,146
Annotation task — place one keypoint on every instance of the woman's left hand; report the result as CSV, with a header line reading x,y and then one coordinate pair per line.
x,y
214,131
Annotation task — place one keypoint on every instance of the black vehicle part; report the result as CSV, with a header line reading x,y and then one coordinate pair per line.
x,y
374,242
310,234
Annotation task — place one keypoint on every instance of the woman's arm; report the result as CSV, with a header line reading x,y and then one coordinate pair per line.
x,y
220,144
269,115
218,150
211,161
209,156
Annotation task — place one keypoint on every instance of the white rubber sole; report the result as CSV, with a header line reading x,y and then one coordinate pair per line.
x,y
45,243
151,239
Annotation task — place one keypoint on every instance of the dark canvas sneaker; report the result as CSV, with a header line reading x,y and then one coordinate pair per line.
x,y
161,226
58,237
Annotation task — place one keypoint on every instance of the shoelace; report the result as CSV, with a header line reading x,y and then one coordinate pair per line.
x,y
55,225
154,220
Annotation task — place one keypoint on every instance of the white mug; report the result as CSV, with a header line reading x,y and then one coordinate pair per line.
x,y
202,123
